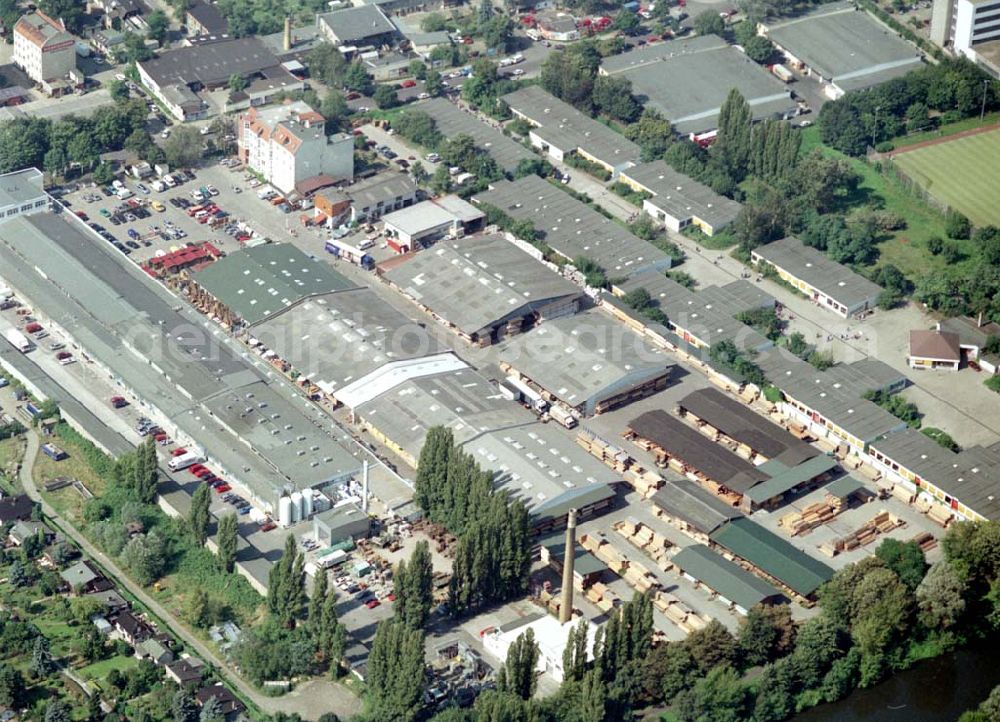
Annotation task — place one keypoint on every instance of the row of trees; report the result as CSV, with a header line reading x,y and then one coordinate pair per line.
x,y
952,89
493,555
572,76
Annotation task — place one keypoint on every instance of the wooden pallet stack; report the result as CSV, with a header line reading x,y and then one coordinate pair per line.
x,y
644,481
925,541
802,522
881,523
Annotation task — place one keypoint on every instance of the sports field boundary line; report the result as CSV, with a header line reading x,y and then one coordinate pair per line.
x,y
943,139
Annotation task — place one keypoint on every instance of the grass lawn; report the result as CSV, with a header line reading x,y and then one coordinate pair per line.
x,y
67,501
11,453
905,248
99,670
964,173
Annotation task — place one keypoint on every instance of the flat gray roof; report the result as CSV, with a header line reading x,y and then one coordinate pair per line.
x,y
688,80
479,281
534,462
683,197
813,266
583,358
431,214
382,187
972,476
708,313
337,339
836,396
688,501
845,45
564,127
170,356
356,23
21,186
258,282
210,63
572,228
451,120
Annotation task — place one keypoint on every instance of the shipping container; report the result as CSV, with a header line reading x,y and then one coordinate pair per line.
x,y
54,452
349,253
184,461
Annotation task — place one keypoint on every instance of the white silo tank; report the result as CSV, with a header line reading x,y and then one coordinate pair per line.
x,y
297,506
307,503
285,511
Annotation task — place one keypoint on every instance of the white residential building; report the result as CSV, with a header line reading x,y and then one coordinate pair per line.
x,y
970,28
43,48
287,144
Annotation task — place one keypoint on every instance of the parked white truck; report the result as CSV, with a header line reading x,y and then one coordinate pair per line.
x,y
18,340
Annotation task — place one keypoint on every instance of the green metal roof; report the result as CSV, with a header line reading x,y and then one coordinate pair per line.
x,y
259,282
844,487
579,498
773,555
723,576
787,479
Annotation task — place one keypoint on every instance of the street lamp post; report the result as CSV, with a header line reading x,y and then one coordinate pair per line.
x,y
982,110
875,125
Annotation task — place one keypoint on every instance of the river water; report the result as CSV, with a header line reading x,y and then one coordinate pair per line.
x,y
936,690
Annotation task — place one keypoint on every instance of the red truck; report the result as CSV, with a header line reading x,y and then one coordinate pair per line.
x,y
33,327
118,402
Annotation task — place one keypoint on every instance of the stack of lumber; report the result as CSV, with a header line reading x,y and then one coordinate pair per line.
x,y
604,551
925,541
644,481
642,537
602,597
940,515
881,523
903,494
803,522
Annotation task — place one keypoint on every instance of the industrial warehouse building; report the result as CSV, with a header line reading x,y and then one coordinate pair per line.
x,y
451,121
827,283
687,80
560,129
732,583
846,48
587,362
829,404
248,286
342,522
691,452
356,26
694,510
22,193
699,319
430,220
678,201
534,462
573,229
339,341
484,288
201,392
961,485
772,556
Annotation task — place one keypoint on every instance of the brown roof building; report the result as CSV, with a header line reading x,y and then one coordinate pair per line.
x,y
934,350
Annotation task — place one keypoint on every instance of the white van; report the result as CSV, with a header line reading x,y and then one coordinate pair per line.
x,y
124,193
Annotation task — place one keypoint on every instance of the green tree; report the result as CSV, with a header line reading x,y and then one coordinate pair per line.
x,y
433,83
386,96
498,33
226,540
334,109
612,95
759,49
327,63
145,557
286,594
940,598
356,78
712,646
765,634
709,22
720,696
198,516
182,707
904,558
183,148
104,174
626,22
652,133
211,711
575,655
118,90
517,675
733,143
12,686
42,664
485,12
413,585
57,711
396,673
321,584
158,25
331,635
433,23
441,180
957,226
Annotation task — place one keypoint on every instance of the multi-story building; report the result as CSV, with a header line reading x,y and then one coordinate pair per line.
x,y
288,144
970,28
43,48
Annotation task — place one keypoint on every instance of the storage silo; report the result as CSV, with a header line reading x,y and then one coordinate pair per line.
x,y
296,506
285,511
307,503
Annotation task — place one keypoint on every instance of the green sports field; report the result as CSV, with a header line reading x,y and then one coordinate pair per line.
x,y
964,173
